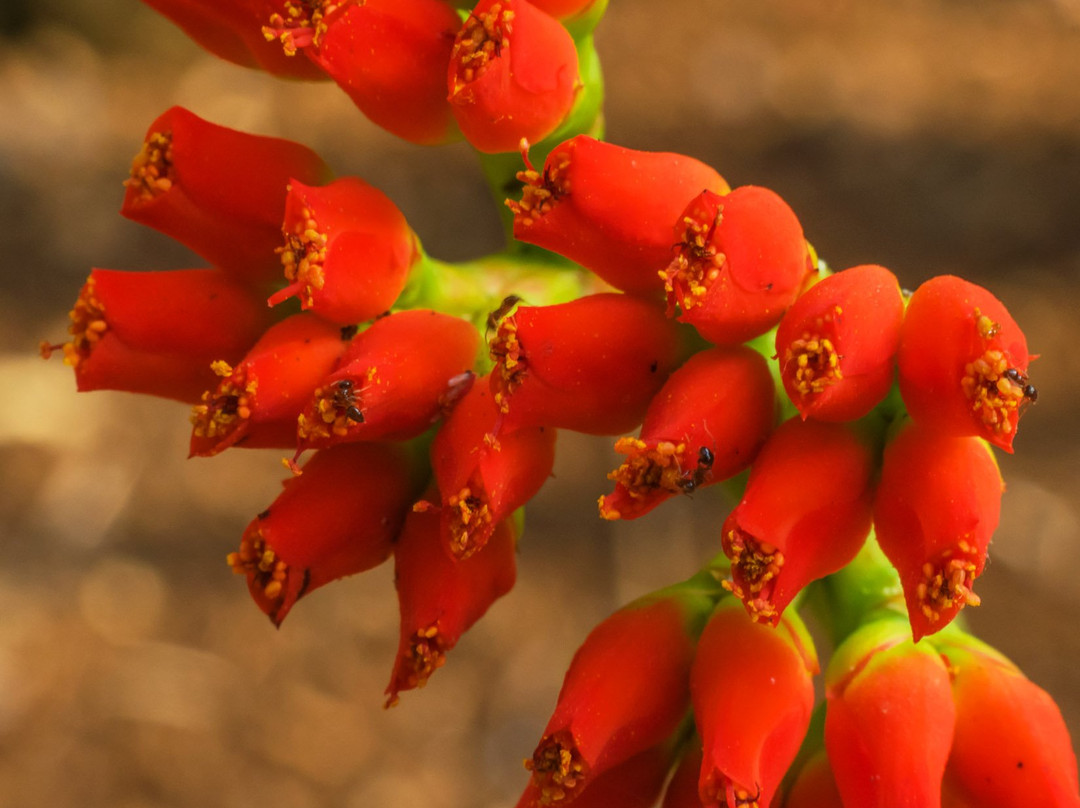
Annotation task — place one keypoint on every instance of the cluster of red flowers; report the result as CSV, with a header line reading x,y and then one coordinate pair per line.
x,y
701,314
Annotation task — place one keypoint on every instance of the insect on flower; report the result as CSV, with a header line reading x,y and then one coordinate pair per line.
x,y
692,478
345,399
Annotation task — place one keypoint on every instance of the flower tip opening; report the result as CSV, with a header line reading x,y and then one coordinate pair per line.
x,y
557,768
426,653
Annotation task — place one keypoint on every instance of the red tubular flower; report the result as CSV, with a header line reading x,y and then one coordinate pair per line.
x,y
482,479
740,262
963,362
625,691
752,690
634,783
837,343
682,789
340,517
705,425
218,191
889,723
805,513
441,597
348,250
257,402
936,508
393,380
591,365
1011,745
609,208
513,74
157,332
389,56
231,29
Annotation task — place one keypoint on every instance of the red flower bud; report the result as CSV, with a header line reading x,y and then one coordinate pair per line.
x,y
963,362
348,250
625,691
441,597
936,508
483,479
740,262
634,783
609,208
257,402
837,343
513,74
889,724
393,380
591,365
805,514
752,689
705,425
231,29
219,191
682,790
389,56
157,332
1011,746
340,517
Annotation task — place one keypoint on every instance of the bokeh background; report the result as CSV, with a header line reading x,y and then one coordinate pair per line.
x,y
931,136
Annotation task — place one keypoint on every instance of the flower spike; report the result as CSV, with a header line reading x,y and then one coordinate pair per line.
x,y
219,191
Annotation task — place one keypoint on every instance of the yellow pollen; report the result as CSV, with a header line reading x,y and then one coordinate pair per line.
x,y
305,24
647,469
755,564
471,517
541,191
557,767
257,560
151,169
87,327
995,397
303,256
506,351
813,358
481,39
947,583
696,265
224,409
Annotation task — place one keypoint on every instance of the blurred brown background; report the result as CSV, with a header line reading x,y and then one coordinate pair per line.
x,y
931,136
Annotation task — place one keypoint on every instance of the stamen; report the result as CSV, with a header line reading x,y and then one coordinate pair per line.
x,y
224,409
754,565
696,265
649,468
469,520
302,256
306,24
481,39
816,361
152,168
540,191
88,326
257,560
557,767
947,582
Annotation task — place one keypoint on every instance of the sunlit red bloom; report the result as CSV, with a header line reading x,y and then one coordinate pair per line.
x,y
513,74
157,332
814,786
389,56
219,191
1011,745
232,30
805,513
936,508
340,517
740,262
348,250
257,401
889,723
483,479
441,597
610,209
705,425
837,343
591,365
393,381
626,690
634,783
752,690
963,362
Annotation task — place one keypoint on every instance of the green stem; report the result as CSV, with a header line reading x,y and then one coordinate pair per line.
x,y
864,590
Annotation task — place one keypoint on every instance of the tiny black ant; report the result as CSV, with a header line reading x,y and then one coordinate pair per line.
x,y
1015,376
345,399
696,477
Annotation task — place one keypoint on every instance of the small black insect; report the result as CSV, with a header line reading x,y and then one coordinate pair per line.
x,y
695,477
1016,376
345,399
504,308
